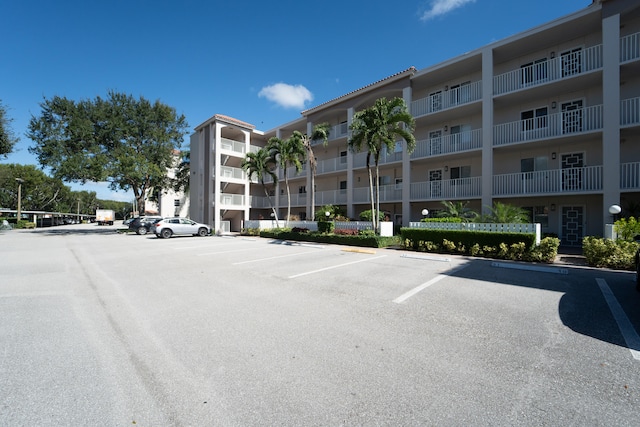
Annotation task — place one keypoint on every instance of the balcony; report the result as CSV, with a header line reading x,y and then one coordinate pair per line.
x,y
332,165
552,181
459,188
331,197
338,131
572,122
464,94
630,176
388,193
360,159
229,173
448,144
233,147
236,200
567,65
630,48
630,112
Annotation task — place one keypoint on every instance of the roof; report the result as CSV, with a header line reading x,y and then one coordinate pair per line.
x,y
408,72
223,118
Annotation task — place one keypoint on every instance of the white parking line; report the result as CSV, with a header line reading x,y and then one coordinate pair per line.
x,y
223,252
335,266
270,258
556,270
402,298
628,332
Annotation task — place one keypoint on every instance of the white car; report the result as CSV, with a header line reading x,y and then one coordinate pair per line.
x,y
167,227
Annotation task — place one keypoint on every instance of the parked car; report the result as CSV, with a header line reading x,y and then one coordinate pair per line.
x,y
180,226
142,224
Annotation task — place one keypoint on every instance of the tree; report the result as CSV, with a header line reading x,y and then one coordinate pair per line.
x,y
286,152
502,213
7,137
457,210
376,129
39,192
320,132
260,164
127,142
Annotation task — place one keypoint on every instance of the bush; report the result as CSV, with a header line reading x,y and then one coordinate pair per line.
x,y
546,251
607,253
325,227
346,231
627,228
299,230
250,231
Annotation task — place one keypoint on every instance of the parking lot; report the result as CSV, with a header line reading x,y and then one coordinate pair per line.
x,y
101,328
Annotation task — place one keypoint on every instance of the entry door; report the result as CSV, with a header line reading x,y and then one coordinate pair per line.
x,y
572,164
435,142
572,225
572,117
435,183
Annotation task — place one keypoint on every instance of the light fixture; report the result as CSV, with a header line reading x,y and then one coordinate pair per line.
x,y
446,168
446,87
425,212
615,209
553,155
553,55
327,214
554,104
446,128
553,207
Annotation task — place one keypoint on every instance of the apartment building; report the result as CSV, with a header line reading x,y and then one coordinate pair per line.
x,y
548,120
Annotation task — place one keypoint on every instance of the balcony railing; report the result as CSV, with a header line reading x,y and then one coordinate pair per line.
x,y
332,165
447,144
447,189
388,193
451,98
233,146
232,199
554,125
360,159
552,181
630,48
630,112
571,64
630,176
331,197
231,173
297,199
338,131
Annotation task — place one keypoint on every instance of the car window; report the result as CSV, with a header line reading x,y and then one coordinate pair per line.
x,y
174,221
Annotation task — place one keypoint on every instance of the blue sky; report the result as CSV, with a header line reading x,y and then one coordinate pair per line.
x,y
262,62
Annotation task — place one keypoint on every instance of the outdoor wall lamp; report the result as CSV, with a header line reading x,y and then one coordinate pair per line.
x,y
553,155
554,104
446,168
553,207
446,128
425,212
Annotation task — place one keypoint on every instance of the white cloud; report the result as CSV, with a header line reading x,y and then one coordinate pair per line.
x,y
441,7
287,96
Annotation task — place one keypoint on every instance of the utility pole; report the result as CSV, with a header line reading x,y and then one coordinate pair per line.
x,y
20,181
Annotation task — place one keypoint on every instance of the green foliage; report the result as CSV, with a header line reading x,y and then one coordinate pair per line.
x,y
250,231
261,164
286,153
456,220
7,137
125,141
367,215
320,133
502,213
325,227
627,228
457,210
357,240
617,254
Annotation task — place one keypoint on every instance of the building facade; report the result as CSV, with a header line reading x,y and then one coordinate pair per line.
x,y
547,120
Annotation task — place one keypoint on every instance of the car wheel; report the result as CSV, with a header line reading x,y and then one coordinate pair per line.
x,y
166,233
202,232
141,231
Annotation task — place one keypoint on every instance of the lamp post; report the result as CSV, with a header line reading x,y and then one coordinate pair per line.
x,y
614,210
425,212
19,181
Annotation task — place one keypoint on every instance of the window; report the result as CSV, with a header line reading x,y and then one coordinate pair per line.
x,y
398,147
534,119
538,214
343,187
460,94
302,189
398,183
534,72
458,172
461,137
532,164
435,103
343,157
571,62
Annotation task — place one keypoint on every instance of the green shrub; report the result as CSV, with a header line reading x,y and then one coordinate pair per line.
x,y
250,231
607,253
325,227
546,251
627,228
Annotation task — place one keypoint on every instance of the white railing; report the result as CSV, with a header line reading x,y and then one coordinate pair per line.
x,y
630,47
447,189
388,193
447,144
360,159
331,197
565,66
550,181
228,199
260,202
233,146
265,224
332,165
630,176
481,226
297,199
560,124
630,112
452,98
338,131
229,172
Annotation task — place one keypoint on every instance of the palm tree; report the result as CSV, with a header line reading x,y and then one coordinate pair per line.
x,y
457,210
286,152
320,132
502,213
260,164
377,128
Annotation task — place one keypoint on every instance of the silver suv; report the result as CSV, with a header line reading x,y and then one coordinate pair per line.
x,y
170,226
